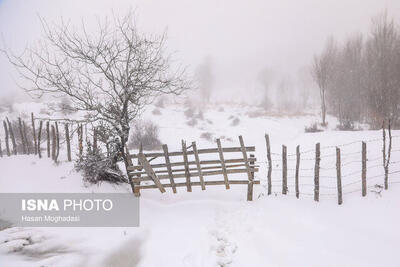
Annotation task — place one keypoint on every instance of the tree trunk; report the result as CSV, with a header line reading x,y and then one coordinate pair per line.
x,y
323,108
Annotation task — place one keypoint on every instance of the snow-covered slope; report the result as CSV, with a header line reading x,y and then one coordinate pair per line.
x,y
217,227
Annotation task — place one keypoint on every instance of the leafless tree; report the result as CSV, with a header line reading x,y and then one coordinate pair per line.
x,y
383,64
322,70
205,78
111,73
266,78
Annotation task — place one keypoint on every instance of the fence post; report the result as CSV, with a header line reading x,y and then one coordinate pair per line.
x,y
284,170
388,158
34,134
48,138
364,169
1,150
316,171
53,144
28,146
297,171
80,139
21,133
57,141
39,139
68,142
339,176
221,157
269,164
7,139
186,165
250,184
14,143
197,159
94,141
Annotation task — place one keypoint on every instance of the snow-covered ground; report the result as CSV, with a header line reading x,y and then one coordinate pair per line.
x,y
218,227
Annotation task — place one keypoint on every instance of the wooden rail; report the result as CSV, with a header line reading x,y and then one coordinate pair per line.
x,y
145,175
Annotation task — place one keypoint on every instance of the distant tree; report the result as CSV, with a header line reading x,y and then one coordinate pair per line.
x,y
322,71
205,78
266,78
285,94
383,63
111,73
305,84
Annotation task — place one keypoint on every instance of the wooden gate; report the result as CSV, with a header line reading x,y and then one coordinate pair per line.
x,y
185,168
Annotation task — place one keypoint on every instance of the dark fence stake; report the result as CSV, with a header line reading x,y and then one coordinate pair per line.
x,y
39,139
21,133
14,143
67,138
53,144
57,142
250,184
339,176
168,163
7,138
34,134
284,170
297,171
28,145
269,164
187,173
48,138
316,171
364,169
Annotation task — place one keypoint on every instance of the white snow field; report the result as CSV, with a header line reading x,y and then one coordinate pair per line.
x,y
218,227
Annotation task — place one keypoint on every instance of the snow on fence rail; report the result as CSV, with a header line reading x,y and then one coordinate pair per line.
x,y
152,174
20,138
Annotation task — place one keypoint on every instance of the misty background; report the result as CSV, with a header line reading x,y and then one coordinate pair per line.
x,y
232,42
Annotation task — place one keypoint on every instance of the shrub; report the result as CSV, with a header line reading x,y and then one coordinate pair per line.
x,y
65,106
346,126
207,136
156,112
192,122
235,122
97,168
189,112
145,133
313,128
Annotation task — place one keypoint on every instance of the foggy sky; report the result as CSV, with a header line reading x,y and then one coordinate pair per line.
x,y
241,37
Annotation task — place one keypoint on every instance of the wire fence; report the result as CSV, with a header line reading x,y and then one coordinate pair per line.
x,y
305,174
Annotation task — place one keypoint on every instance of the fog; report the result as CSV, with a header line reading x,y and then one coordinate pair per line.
x,y
241,37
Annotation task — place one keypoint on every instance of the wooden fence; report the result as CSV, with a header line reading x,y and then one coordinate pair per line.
x,y
177,165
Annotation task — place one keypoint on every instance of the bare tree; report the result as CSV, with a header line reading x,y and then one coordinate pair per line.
x,y
322,70
266,78
205,78
383,63
111,74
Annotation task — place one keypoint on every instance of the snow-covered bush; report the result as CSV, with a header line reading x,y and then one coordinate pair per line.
x,y
313,128
145,133
95,168
192,122
207,136
346,126
156,112
65,106
235,122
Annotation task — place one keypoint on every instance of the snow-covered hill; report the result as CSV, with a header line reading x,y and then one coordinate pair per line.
x,y
217,227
